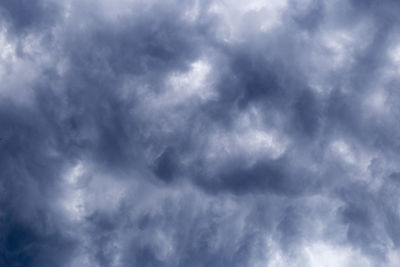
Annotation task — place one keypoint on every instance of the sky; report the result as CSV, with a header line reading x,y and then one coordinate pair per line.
x,y
200,133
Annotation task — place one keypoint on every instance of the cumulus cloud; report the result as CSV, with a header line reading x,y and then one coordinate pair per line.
x,y
199,133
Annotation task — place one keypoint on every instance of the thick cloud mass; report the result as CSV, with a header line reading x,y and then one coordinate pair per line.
x,y
199,133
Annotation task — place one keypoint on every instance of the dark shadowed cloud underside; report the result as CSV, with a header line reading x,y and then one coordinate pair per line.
x,y
200,133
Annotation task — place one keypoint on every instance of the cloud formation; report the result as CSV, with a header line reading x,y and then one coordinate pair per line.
x,y
199,133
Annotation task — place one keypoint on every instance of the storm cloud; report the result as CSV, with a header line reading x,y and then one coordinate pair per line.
x,y
199,133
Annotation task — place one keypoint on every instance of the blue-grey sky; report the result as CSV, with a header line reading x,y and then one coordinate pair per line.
x,y
261,133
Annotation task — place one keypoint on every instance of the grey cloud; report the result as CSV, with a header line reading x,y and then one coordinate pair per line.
x,y
192,133
23,17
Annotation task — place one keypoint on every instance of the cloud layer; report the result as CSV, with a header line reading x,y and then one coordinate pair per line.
x,y
199,133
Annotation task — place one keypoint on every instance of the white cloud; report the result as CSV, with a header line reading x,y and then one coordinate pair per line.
x,y
249,139
321,254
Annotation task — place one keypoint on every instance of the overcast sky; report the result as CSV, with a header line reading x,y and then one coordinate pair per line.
x,y
184,133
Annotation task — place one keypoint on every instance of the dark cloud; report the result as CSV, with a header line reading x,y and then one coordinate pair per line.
x,y
25,16
188,133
